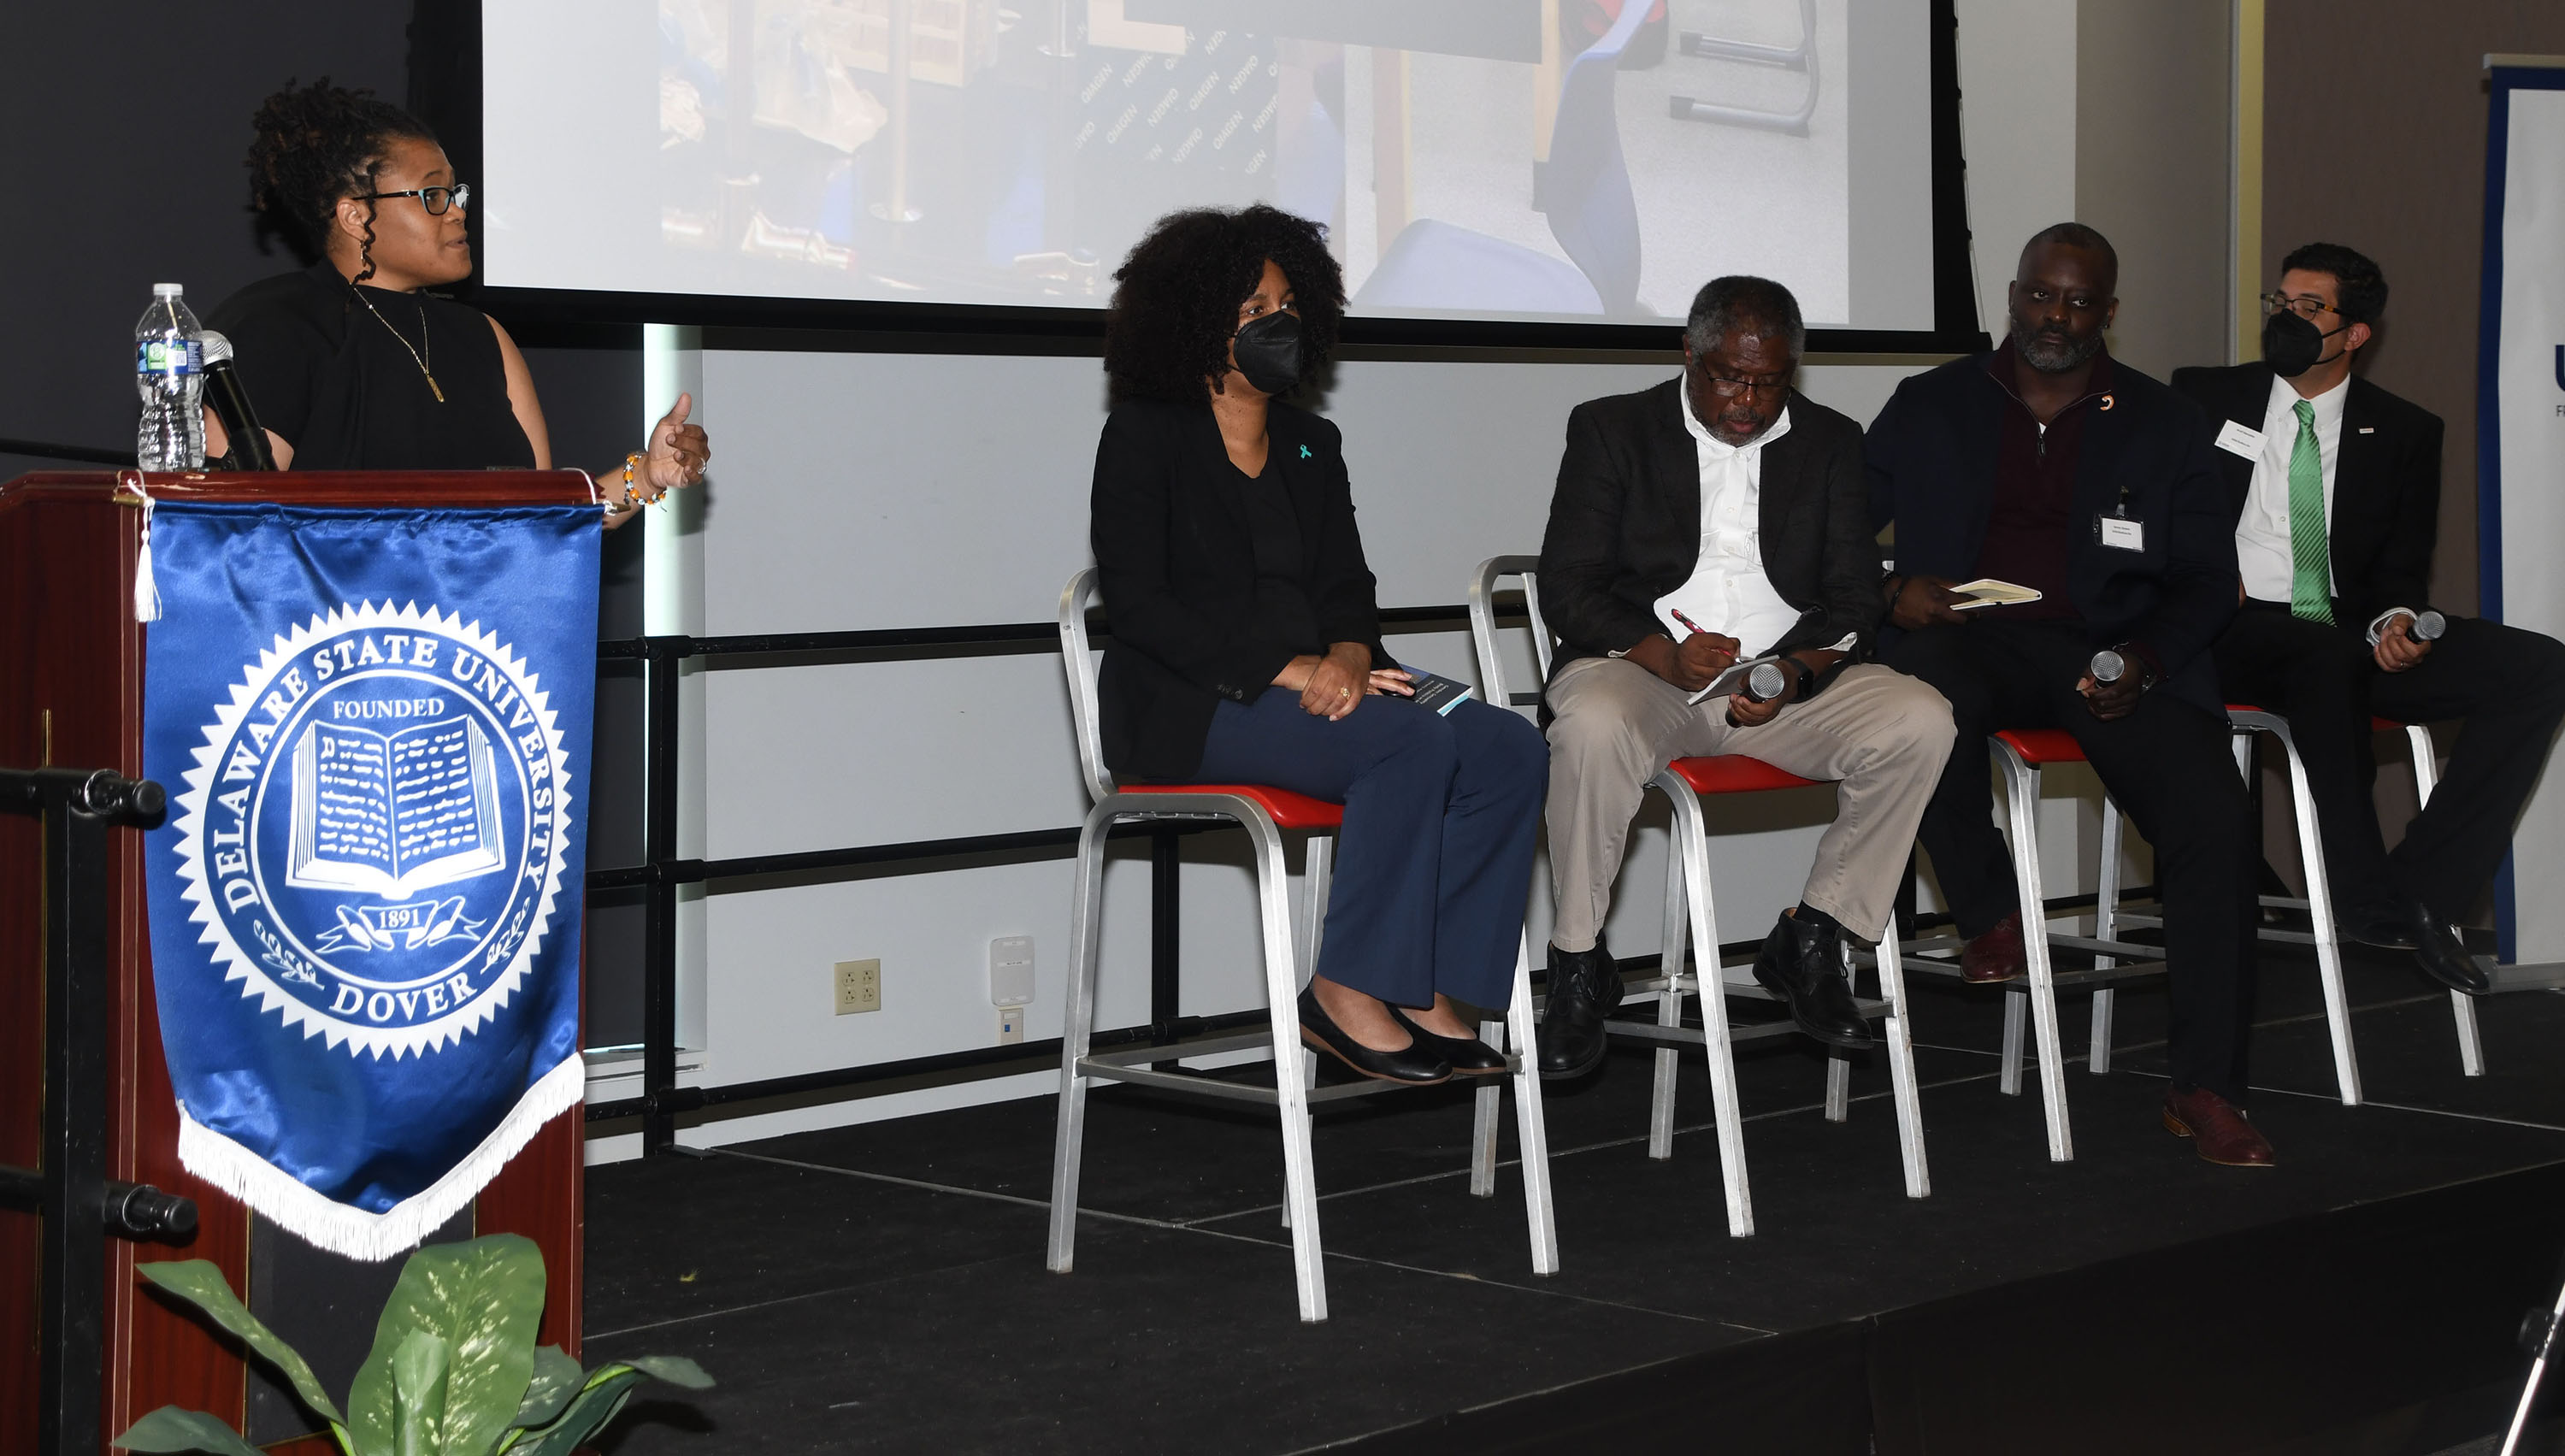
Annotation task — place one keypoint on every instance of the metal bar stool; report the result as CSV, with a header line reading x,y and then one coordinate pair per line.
x,y
2018,755
1264,812
2246,720
1689,907
2427,776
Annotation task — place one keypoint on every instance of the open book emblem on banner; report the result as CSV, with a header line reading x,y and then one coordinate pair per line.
x,y
374,833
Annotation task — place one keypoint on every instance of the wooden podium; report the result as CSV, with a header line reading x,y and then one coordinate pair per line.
x,y
70,695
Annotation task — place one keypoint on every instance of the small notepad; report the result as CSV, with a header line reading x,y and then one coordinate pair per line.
x,y
1987,592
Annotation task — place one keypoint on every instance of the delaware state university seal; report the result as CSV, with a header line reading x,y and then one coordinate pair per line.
x,y
375,831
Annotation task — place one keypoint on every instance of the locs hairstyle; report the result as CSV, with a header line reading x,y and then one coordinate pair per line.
x,y
316,145
1177,296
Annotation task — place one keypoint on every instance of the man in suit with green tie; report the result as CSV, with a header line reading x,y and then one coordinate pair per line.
x,y
2336,485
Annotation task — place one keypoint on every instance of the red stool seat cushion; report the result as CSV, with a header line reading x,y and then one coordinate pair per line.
x,y
1734,772
2044,745
2376,724
1291,811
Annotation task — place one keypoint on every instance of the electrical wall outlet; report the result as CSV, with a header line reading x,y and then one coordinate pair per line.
x,y
1011,971
1011,1025
858,986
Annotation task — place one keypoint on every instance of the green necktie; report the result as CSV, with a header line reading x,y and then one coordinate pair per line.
x,y
2310,576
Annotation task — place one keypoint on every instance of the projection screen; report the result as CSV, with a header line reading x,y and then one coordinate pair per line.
x,y
1490,160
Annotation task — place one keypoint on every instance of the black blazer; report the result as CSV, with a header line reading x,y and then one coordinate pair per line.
x,y
1170,537
1931,457
1625,525
2386,484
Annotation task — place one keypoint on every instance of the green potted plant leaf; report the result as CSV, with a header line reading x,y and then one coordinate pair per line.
x,y
454,1369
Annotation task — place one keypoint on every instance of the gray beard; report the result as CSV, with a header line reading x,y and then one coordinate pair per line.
x,y
2049,358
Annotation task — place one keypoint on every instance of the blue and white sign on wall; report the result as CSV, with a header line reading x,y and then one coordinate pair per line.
x,y
2521,442
366,905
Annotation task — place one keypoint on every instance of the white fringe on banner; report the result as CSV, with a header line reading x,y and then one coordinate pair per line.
x,y
146,587
282,1200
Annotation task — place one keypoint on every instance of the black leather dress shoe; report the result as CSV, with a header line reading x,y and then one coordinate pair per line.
x,y
1413,1063
2410,925
1469,1056
1810,967
2377,924
1584,987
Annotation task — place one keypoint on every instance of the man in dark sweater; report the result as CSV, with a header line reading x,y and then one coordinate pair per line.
x,y
2049,465
2334,490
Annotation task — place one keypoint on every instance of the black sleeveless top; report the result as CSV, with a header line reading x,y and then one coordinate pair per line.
x,y
329,378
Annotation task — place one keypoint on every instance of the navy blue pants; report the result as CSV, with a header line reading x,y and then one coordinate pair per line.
x,y
1434,861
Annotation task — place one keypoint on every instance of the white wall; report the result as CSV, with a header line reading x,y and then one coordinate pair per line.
x,y
878,490
2017,85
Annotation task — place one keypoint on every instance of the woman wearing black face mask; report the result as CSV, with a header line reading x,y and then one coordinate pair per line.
x,y
1247,648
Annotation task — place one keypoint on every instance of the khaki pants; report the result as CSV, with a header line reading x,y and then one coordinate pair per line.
x,y
1881,734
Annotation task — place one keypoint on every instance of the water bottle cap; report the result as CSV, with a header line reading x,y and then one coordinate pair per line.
x,y
167,290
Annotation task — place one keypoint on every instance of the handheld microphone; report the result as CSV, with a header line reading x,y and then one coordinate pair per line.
x,y
2428,627
2108,666
230,401
1763,682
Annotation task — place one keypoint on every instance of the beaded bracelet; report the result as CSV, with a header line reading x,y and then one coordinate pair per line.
x,y
630,502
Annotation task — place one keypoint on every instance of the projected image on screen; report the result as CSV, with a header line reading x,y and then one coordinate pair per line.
x,y
1541,159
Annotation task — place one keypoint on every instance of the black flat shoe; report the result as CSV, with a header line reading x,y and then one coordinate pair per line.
x,y
1469,1056
1414,1064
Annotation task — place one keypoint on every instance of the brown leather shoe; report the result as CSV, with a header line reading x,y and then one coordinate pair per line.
x,y
2216,1128
1995,956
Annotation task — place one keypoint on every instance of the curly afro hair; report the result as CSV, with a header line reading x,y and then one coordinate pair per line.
x,y
316,145
1176,303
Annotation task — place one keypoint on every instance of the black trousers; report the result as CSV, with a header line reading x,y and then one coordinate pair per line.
x,y
2169,768
2507,684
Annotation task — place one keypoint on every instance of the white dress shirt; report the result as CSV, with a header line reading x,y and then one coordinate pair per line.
x,y
2263,532
1727,592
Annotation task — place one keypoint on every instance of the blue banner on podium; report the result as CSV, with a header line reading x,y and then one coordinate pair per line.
x,y
365,907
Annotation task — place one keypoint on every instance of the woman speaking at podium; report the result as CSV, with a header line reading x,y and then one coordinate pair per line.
x,y
1247,648
353,364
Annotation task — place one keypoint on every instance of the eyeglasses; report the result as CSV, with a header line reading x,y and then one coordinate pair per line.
x,y
435,199
1728,388
2305,307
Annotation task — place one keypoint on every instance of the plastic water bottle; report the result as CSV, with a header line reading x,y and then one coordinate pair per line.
x,y
168,372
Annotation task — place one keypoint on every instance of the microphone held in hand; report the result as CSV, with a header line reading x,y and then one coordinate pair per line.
x,y
230,401
2108,666
1764,682
2428,627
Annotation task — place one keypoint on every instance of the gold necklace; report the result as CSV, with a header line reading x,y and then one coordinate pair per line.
x,y
414,356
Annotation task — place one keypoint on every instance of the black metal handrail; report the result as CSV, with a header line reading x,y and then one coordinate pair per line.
x,y
78,1205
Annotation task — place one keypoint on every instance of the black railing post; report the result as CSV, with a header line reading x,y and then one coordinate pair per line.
x,y
1166,984
75,1129
660,668
69,1193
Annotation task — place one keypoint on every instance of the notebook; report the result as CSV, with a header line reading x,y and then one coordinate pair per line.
x,y
1987,592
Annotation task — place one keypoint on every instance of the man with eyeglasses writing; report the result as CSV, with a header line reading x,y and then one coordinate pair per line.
x,y
2049,465
1718,515
2334,491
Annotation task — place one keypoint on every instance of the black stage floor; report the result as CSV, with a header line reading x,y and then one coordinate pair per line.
x,y
881,1288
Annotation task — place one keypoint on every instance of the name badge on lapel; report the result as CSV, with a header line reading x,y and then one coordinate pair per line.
x,y
2238,439
2120,532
